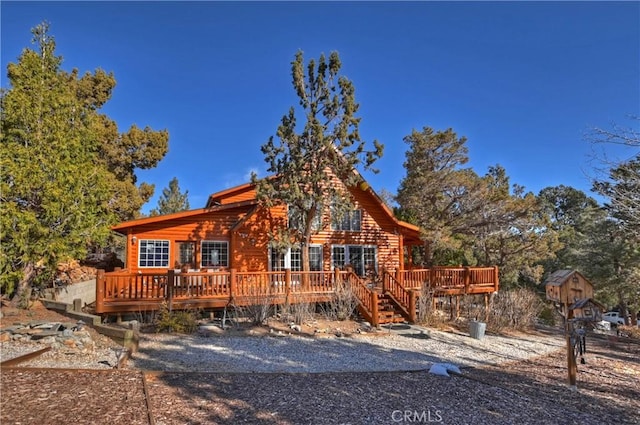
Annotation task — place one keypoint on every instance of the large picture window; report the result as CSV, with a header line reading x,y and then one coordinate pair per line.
x,y
215,254
153,253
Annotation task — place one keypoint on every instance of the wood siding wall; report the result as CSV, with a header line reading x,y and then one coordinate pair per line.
x,y
212,226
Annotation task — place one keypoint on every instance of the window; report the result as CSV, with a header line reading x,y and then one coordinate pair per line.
x,y
292,259
361,258
350,221
153,253
215,254
297,219
186,254
315,258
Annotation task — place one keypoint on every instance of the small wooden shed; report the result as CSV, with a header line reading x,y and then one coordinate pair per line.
x,y
568,286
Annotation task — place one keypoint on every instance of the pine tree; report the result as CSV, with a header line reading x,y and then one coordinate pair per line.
x,y
304,161
172,200
66,173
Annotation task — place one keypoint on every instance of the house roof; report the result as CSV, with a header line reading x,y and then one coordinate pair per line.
x,y
410,232
584,301
124,226
559,277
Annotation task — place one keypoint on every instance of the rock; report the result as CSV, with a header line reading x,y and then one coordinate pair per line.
x,y
4,337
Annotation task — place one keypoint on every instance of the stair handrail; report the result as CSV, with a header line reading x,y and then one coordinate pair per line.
x,y
404,298
367,298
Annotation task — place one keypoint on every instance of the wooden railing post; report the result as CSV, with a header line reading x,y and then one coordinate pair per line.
x,y
101,283
170,282
385,281
466,276
287,285
336,277
375,319
232,283
496,279
399,276
413,315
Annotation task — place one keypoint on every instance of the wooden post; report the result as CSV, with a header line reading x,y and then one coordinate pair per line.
x,y
287,285
413,316
232,283
572,369
466,277
451,308
336,276
375,319
101,283
170,282
486,307
496,279
399,276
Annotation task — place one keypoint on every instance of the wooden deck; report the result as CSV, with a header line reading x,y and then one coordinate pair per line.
x,y
396,300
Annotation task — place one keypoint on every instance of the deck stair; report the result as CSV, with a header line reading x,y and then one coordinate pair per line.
x,y
388,312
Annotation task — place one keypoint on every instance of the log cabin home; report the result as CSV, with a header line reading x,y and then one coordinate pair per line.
x,y
223,255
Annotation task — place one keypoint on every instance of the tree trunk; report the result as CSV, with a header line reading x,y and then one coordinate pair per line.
x,y
23,291
623,308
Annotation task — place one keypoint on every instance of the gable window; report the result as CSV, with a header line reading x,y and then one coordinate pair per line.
x,y
359,257
215,254
153,253
297,219
350,221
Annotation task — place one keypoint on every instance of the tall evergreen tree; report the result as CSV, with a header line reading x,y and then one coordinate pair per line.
x,y
172,199
67,174
304,161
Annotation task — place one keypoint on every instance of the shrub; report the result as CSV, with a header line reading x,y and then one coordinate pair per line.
x,y
179,321
427,313
343,304
298,311
515,309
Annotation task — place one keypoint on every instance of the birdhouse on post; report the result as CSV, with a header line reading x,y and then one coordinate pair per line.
x,y
572,294
565,287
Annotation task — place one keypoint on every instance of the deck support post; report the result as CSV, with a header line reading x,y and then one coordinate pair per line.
x,y
413,316
486,307
496,279
170,283
375,319
100,288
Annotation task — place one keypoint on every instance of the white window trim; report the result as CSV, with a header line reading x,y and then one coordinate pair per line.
x,y
287,257
347,261
202,253
154,240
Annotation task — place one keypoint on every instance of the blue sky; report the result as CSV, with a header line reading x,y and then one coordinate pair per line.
x,y
523,81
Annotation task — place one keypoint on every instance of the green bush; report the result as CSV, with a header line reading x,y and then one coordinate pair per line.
x,y
179,321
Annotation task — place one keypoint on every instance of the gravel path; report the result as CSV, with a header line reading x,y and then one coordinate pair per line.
x,y
406,349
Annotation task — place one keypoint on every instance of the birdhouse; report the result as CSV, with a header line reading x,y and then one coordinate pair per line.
x,y
568,286
587,309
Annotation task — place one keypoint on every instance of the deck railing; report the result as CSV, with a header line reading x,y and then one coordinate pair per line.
x,y
122,291
451,279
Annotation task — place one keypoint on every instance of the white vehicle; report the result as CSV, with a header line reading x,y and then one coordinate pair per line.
x,y
613,317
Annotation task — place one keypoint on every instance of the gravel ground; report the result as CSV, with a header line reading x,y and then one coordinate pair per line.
x,y
406,348
371,378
